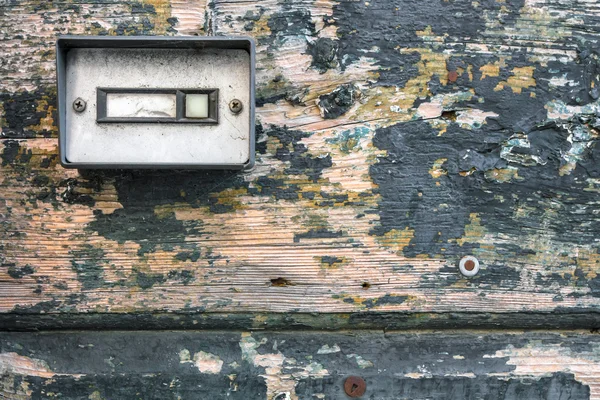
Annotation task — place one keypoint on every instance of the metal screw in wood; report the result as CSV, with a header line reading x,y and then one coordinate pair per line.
x,y
79,104
235,106
355,386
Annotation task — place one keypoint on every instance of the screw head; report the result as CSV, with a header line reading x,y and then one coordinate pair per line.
x,y
79,104
452,76
469,266
355,386
235,106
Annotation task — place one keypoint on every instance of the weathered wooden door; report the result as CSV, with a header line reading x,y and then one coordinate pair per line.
x,y
394,138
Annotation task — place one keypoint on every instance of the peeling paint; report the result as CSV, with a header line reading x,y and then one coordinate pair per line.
x,y
361,362
391,143
206,363
326,349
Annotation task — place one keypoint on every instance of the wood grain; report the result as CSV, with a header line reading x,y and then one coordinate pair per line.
x,y
394,138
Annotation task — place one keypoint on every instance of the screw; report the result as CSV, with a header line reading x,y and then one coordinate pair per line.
x,y
355,386
235,106
452,76
469,266
79,105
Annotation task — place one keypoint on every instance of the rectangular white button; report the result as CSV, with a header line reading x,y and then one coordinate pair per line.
x,y
196,105
140,105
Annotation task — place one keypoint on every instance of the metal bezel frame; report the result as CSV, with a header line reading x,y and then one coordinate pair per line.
x,y
67,42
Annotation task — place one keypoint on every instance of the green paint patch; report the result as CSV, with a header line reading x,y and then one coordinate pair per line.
x,y
19,272
387,299
14,154
349,140
193,256
147,280
140,225
374,302
361,362
185,276
28,113
332,261
87,264
320,233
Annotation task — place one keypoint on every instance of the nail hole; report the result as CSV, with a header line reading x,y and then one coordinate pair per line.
x,y
452,76
366,285
449,115
354,387
281,282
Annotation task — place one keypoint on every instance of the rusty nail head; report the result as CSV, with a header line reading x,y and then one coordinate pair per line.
x,y
452,76
355,386
469,266
235,106
79,104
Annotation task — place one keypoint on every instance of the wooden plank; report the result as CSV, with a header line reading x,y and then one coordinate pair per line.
x,y
299,365
395,137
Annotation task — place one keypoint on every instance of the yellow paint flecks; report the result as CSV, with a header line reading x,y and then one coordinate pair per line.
x,y
431,64
502,175
428,35
436,170
231,198
261,27
589,262
468,172
522,78
259,320
470,72
490,70
397,239
474,231
332,262
162,8
2,119
566,169
47,123
163,212
96,396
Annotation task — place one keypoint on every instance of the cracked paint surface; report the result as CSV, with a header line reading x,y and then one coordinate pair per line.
x,y
390,144
275,366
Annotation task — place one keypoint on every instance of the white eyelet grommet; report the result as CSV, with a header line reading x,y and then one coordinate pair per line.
x,y
469,266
